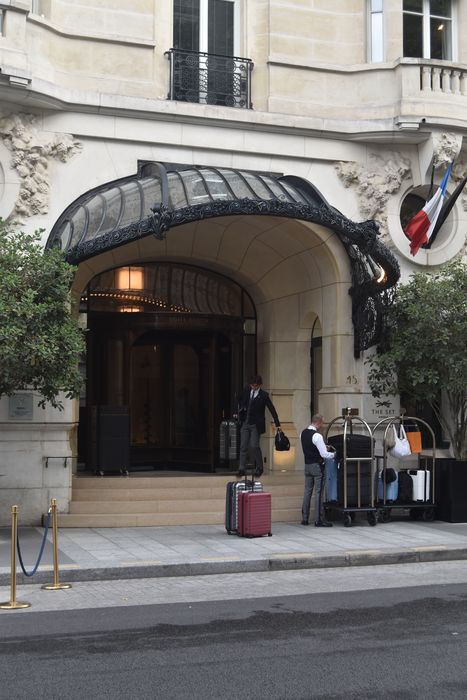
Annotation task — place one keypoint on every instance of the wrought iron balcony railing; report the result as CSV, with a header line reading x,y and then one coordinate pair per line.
x,y
211,79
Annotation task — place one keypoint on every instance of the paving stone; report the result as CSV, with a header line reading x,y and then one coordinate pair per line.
x,y
110,553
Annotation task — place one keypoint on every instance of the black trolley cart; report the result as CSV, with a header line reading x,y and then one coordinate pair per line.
x,y
424,509
356,480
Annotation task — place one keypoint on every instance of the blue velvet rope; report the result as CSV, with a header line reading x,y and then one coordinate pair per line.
x,y
41,551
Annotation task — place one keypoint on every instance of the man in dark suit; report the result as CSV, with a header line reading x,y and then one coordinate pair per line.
x,y
251,413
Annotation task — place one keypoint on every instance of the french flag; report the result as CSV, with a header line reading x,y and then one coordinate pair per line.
x,y
420,226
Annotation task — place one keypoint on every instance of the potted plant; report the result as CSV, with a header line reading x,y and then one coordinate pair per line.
x,y
40,338
424,355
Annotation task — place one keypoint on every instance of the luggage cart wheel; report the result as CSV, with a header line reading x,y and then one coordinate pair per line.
x,y
428,515
385,515
348,520
372,519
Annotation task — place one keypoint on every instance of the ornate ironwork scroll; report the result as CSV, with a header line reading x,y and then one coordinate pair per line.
x,y
374,269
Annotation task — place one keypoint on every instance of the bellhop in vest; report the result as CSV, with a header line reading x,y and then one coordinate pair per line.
x,y
252,415
316,453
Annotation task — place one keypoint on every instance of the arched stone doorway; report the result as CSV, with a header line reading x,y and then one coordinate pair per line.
x,y
170,345
298,258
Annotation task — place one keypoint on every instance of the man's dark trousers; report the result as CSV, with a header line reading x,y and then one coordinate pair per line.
x,y
249,443
314,477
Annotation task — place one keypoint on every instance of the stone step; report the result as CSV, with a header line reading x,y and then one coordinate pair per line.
x,y
162,481
142,482
168,499
170,506
159,494
160,519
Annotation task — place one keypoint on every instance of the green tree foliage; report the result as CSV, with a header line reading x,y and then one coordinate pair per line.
x,y
40,340
425,354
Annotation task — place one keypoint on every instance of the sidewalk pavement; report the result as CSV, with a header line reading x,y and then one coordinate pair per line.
x,y
90,554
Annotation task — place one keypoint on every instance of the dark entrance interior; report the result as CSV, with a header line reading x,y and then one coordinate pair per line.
x,y
181,383
159,357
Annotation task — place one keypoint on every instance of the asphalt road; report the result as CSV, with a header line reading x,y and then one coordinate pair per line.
x,y
395,642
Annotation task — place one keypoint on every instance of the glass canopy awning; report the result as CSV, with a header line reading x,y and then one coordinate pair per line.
x,y
161,196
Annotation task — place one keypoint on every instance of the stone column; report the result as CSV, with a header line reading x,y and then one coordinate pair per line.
x,y
436,80
426,78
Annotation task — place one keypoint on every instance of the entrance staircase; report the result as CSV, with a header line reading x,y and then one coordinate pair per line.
x,y
167,499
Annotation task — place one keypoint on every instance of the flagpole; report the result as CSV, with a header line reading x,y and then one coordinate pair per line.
x,y
430,191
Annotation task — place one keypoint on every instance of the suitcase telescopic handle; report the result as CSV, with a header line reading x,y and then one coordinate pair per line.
x,y
252,483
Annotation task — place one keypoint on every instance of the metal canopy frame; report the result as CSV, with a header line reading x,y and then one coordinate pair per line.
x,y
162,196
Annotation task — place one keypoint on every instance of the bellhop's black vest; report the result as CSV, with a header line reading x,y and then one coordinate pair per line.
x,y
310,451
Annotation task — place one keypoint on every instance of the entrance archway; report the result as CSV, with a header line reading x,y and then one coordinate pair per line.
x,y
169,344
162,196
276,236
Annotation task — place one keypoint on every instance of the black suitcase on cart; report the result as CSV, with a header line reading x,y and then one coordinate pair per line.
x,y
234,488
352,484
356,445
355,482
229,443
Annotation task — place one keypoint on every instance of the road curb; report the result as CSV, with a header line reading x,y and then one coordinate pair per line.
x,y
283,562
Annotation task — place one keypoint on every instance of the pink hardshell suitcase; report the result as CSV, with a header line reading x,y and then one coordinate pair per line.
x,y
254,514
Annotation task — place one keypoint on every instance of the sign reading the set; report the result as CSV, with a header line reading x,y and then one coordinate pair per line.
x,y
375,409
21,407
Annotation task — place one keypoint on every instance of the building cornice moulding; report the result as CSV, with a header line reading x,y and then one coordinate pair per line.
x,y
23,6
43,95
286,61
123,40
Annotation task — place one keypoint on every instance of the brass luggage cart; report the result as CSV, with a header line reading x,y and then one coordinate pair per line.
x,y
423,508
356,473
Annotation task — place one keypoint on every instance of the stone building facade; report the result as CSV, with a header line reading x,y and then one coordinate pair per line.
x,y
344,108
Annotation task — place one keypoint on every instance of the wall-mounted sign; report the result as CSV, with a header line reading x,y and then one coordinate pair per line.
x,y
349,412
377,409
21,407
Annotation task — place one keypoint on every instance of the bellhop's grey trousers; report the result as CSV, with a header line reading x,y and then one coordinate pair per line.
x,y
249,443
314,481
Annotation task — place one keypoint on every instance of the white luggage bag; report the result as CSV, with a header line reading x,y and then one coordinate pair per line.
x,y
421,484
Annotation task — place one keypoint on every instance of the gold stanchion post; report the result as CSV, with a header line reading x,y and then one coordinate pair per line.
x,y
14,604
55,586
